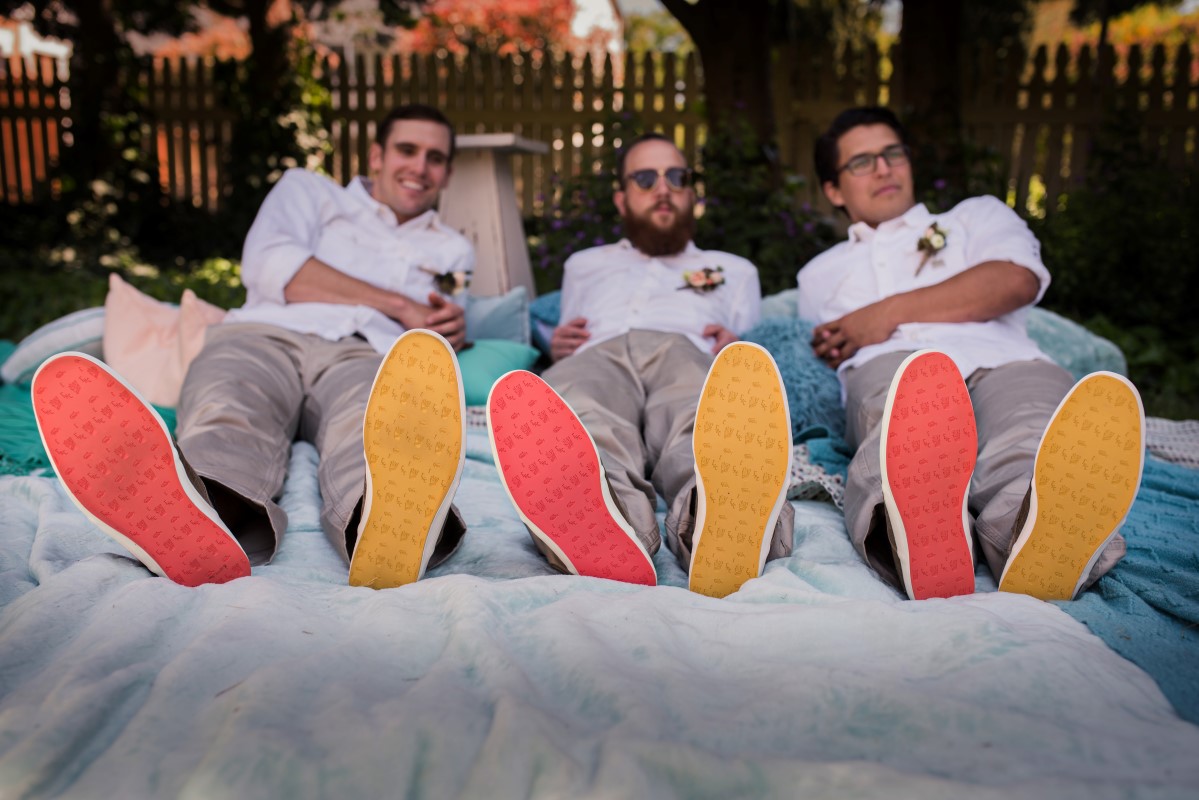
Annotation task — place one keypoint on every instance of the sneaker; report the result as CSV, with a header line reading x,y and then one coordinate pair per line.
x,y
413,436
927,451
742,445
117,461
1085,477
551,469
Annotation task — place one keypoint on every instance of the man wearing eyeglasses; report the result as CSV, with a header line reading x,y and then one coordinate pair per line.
x,y
643,320
957,416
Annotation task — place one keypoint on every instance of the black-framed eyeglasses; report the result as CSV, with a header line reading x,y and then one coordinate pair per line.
x,y
677,178
865,163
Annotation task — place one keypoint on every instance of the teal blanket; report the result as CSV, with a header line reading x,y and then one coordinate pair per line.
x,y
1147,608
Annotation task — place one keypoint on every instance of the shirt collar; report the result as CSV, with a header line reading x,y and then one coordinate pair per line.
x,y
915,217
360,188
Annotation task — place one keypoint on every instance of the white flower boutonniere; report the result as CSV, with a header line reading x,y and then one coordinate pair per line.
x,y
932,242
707,279
448,283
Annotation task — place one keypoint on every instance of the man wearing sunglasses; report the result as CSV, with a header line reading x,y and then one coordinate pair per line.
x,y
957,416
644,322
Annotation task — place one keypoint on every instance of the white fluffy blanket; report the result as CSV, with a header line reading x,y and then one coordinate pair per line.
x,y
496,678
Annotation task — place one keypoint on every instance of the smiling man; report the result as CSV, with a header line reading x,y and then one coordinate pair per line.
x,y
335,278
961,424
585,454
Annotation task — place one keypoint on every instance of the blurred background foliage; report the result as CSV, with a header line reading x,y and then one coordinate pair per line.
x,y
1121,246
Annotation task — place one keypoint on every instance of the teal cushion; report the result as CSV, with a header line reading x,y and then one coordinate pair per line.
x,y
504,316
487,361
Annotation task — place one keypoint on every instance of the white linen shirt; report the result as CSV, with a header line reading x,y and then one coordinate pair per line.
x,y
875,263
617,288
309,215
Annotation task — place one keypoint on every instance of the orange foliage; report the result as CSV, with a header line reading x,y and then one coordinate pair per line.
x,y
1147,27
501,26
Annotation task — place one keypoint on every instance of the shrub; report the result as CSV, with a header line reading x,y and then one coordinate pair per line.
x,y
1124,256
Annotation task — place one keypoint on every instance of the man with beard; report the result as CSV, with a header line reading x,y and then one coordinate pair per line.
x,y
648,364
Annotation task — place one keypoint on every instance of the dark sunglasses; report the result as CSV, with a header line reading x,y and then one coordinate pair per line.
x,y
677,178
866,163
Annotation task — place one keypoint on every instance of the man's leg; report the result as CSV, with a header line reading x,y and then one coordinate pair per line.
x,y
604,388
238,413
387,490
1012,407
866,388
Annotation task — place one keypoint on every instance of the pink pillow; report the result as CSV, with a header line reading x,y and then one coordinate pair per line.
x,y
151,343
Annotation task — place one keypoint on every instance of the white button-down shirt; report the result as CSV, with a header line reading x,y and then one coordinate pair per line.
x,y
617,288
875,263
307,215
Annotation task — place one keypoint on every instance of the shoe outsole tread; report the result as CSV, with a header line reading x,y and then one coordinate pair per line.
x,y
742,445
551,470
929,446
413,440
119,466
1086,475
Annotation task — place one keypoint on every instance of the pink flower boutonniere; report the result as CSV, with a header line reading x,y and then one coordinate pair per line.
x,y
448,283
932,242
707,279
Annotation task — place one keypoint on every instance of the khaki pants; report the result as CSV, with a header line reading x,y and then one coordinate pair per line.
x,y
252,391
637,395
1013,404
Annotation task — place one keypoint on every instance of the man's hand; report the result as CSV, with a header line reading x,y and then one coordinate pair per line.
x,y
568,337
834,342
722,336
448,319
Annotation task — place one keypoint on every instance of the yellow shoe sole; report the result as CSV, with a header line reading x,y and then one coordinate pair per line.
x,y
413,434
1086,475
742,444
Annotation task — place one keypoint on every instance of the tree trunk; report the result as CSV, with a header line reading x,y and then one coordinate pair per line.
x,y
929,71
95,91
733,40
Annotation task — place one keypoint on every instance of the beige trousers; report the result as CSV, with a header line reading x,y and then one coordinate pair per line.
x,y
252,391
637,395
1013,404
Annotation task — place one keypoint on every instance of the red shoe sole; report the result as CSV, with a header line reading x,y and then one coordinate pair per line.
x,y
928,450
551,470
117,462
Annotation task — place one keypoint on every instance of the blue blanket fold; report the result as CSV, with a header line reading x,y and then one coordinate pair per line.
x,y
1147,607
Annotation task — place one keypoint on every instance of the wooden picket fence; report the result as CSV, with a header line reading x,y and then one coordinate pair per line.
x,y
1038,114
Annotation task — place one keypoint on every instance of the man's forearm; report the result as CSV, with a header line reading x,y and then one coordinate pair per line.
x,y
979,294
317,282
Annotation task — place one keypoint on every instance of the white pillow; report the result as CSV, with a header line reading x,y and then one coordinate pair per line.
x,y
80,330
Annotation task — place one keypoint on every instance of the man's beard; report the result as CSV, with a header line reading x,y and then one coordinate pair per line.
x,y
654,241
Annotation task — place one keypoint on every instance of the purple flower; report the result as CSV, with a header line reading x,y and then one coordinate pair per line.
x,y
598,241
939,184
809,227
556,225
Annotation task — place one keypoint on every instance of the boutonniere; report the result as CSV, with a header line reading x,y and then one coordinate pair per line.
x,y
448,283
931,243
706,279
